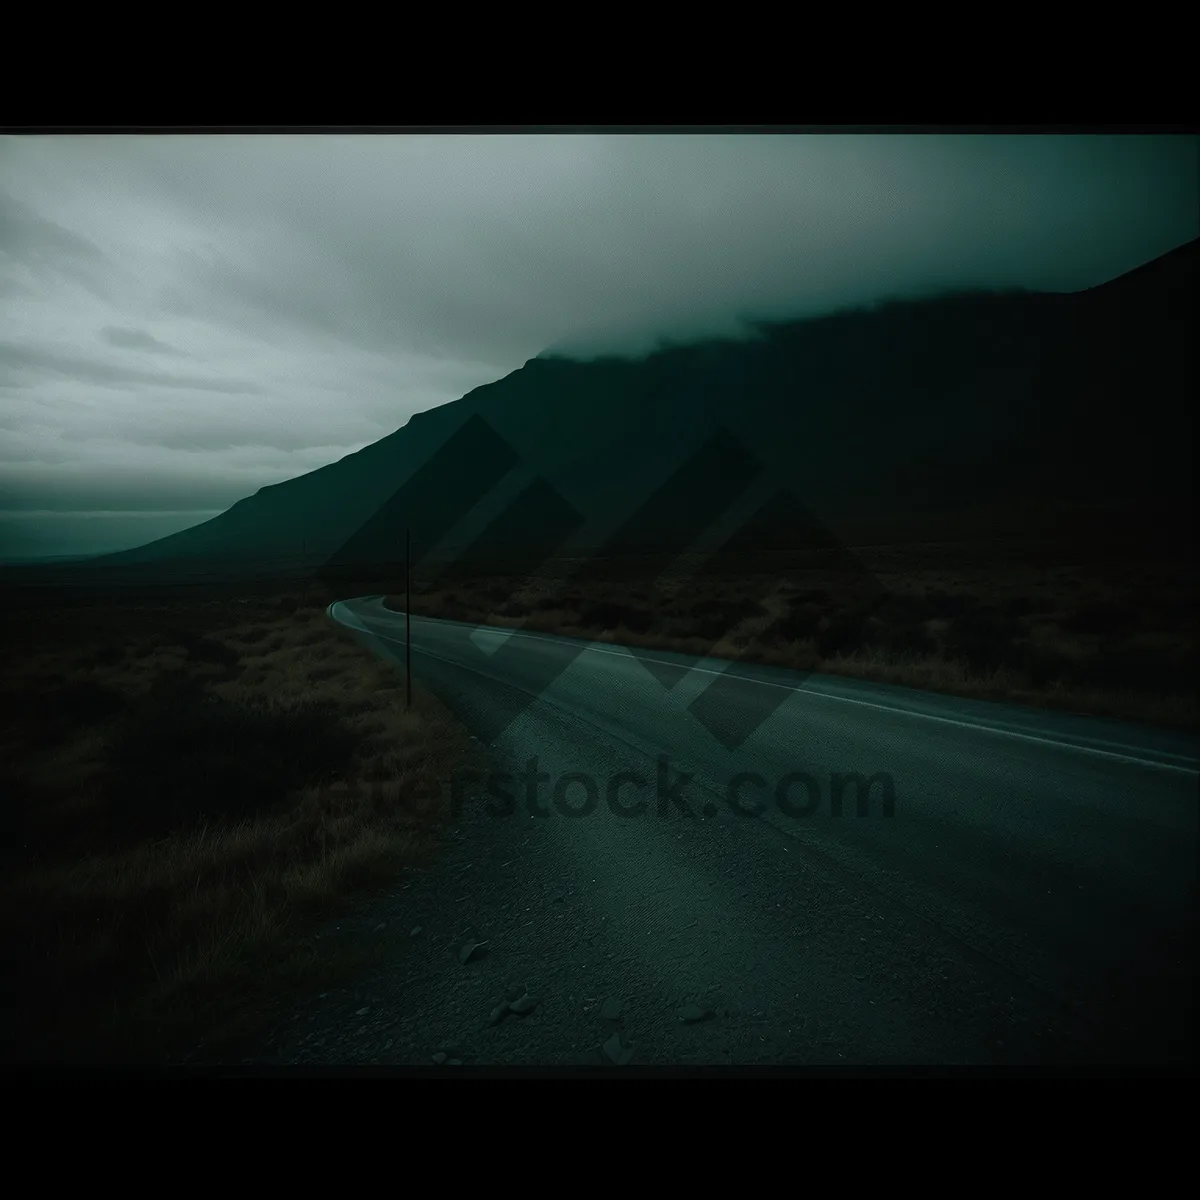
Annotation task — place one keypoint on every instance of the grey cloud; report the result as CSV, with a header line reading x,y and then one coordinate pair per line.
x,y
135,339
58,362
506,245
236,434
43,247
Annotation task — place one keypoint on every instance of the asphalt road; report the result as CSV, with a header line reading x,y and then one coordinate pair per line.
x,y
1026,895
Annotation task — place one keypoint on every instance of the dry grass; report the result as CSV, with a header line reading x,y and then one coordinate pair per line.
x,y
187,789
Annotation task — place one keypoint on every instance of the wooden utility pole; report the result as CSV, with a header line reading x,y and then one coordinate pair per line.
x,y
407,618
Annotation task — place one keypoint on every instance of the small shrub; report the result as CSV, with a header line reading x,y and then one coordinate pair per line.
x,y
185,756
901,638
843,635
1017,606
1100,617
732,610
108,655
607,614
903,609
1042,666
981,638
800,621
83,701
210,650
939,603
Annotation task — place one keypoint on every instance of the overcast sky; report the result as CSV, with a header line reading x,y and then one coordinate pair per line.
x,y
188,318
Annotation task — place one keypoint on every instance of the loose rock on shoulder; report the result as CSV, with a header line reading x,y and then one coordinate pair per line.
x,y
616,1050
610,1010
470,950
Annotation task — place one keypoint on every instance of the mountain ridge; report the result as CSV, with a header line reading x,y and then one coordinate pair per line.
x,y
972,399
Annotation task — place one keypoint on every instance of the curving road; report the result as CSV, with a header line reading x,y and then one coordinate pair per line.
x,y
1024,893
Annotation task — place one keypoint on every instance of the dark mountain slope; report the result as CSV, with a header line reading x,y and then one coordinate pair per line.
x,y
936,406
